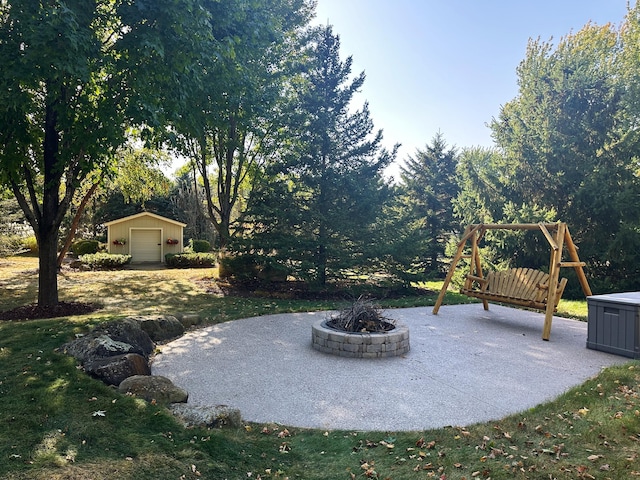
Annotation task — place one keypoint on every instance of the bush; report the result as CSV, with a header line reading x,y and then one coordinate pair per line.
x,y
99,261
242,268
30,243
200,246
187,260
11,245
83,247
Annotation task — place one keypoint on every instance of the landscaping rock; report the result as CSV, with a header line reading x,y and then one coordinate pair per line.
x,y
128,331
113,370
189,319
94,346
153,388
113,351
160,327
113,338
220,416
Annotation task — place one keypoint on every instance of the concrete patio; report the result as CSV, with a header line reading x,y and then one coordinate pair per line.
x,y
466,365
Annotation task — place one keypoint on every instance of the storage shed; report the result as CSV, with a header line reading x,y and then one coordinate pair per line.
x,y
147,237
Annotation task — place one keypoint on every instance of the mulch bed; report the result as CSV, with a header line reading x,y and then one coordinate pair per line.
x,y
63,309
302,291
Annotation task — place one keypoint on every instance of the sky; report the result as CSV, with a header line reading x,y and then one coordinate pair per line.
x,y
448,65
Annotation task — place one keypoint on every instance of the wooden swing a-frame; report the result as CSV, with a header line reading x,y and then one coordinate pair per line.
x,y
518,286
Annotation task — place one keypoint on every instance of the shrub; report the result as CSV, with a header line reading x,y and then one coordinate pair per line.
x,y
200,246
11,245
187,260
99,261
83,247
30,243
242,268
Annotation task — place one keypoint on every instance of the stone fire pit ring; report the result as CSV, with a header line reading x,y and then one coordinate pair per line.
x,y
360,345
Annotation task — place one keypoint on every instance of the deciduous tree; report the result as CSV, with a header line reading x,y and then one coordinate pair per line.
x,y
75,75
233,119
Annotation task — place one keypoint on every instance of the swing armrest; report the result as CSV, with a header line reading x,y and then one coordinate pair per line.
x,y
483,282
480,280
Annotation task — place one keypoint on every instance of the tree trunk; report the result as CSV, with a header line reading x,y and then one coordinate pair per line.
x,y
48,225
74,224
48,274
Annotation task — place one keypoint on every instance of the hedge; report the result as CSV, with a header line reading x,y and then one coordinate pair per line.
x,y
98,261
200,246
83,247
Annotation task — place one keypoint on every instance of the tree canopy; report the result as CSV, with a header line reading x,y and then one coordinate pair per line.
x,y
76,75
318,207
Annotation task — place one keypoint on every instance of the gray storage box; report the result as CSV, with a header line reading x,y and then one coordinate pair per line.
x,y
614,323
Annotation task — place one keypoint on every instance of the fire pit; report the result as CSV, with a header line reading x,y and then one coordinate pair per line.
x,y
360,344
360,331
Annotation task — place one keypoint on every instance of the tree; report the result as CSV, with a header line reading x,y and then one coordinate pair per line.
x,y
564,146
135,173
429,185
75,75
322,200
234,117
483,190
186,199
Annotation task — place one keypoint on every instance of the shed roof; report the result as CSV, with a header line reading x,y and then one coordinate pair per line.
x,y
144,214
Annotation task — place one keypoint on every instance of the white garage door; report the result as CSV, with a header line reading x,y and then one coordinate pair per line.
x,y
146,246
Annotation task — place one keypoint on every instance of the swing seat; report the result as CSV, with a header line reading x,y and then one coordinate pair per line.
x,y
523,287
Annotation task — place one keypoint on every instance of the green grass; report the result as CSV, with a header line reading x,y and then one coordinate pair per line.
x,y
55,422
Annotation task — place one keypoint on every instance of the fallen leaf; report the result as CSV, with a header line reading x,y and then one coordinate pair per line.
x,y
284,448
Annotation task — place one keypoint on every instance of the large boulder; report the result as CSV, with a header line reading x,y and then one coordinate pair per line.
x,y
160,327
153,388
113,351
96,345
117,337
188,319
113,370
128,331
218,416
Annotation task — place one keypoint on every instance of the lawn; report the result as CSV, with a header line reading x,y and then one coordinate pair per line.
x,y
55,422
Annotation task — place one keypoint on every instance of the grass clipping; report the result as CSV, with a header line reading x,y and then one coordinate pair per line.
x,y
362,316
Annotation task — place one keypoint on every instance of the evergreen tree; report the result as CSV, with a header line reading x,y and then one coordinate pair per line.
x,y
319,209
429,184
567,145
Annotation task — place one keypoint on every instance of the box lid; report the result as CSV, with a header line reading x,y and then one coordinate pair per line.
x,y
628,298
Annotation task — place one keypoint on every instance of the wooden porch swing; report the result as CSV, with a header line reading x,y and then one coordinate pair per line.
x,y
523,287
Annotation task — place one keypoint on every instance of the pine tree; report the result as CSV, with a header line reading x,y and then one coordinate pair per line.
x,y
322,200
429,183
